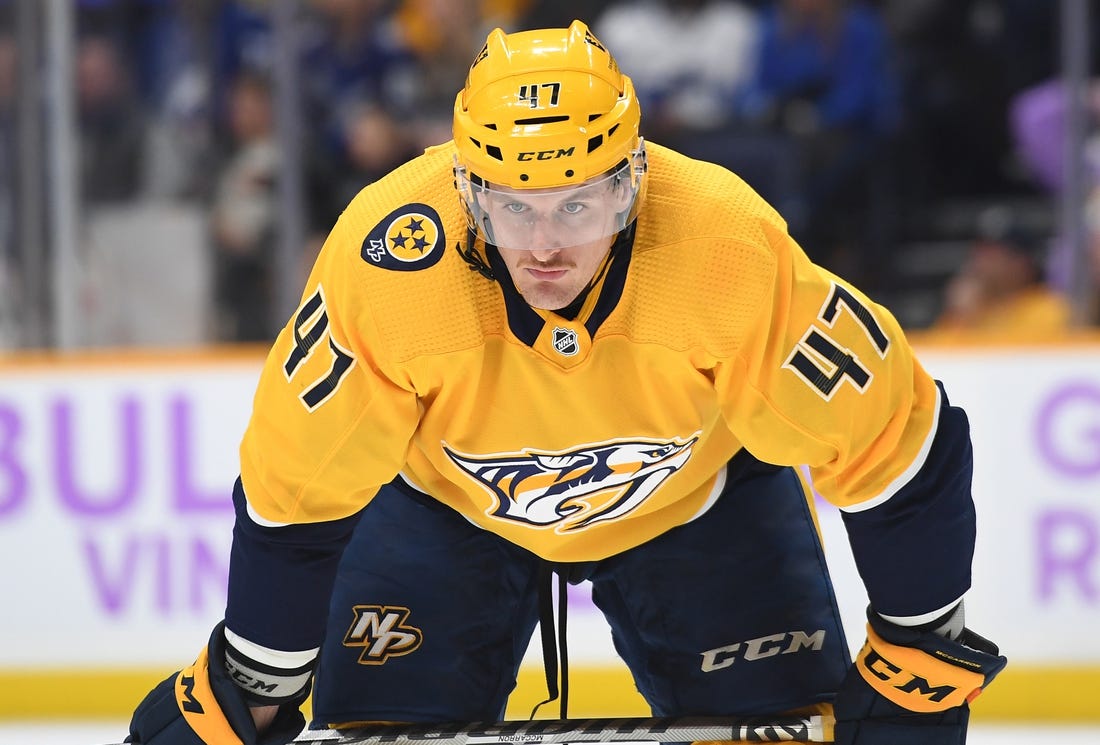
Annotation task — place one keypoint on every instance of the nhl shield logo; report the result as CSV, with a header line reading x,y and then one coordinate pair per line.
x,y
565,341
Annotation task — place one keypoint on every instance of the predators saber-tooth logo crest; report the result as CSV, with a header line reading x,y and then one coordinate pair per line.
x,y
381,632
572,490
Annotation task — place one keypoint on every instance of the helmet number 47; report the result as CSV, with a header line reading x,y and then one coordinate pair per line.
x,y
530,94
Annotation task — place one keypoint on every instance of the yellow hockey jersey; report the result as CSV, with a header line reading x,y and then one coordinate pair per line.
x,y
578,438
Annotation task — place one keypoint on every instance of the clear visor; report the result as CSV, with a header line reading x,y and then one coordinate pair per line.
x,y
554,218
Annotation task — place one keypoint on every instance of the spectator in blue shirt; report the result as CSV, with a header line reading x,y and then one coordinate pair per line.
x,y
824,80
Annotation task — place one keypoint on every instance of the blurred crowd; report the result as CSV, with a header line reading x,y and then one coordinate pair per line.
x,y
872,126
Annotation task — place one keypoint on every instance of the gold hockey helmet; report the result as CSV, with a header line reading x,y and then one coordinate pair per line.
x,y
547,109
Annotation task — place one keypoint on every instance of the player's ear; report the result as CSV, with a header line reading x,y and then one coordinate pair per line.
x,y
625,193
481,197
622,194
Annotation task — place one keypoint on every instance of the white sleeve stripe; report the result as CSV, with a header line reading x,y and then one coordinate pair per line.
x,y
262,522
271,657
922,618
412,484
907,475
715,492
417,488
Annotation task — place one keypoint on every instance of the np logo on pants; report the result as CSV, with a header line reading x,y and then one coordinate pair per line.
x,y
382,633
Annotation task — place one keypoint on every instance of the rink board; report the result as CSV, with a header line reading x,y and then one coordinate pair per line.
x,y
114,529
1019,695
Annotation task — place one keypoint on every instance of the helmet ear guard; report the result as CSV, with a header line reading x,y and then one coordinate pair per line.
x,y
544,109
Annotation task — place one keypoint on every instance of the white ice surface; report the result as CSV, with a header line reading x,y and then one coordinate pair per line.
x,y
100,733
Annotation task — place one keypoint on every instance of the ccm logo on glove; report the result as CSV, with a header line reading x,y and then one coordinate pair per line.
x,y
187,699
914,679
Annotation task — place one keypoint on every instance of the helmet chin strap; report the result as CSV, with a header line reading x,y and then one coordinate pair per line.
x,y
473,257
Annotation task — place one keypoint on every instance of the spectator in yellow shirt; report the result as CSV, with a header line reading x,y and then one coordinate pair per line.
x,y
1000,288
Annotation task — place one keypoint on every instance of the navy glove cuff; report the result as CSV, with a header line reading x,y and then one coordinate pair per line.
x,y
201,704
912,686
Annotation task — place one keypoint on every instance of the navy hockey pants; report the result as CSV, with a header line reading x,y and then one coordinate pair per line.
x,y
732,613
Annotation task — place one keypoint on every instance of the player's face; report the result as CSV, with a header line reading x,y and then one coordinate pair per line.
x,y
554,240
551,278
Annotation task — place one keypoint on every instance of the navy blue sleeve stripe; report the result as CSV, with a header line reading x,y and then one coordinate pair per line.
x,y
914,551
280,578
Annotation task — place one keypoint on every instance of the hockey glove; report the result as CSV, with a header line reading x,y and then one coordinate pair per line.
x,y
201,704
913,685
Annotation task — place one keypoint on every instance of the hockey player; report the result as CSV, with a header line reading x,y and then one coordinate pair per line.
x,y
619,391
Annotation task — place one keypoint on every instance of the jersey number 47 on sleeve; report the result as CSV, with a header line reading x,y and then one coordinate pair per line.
x,y
823,363
310,328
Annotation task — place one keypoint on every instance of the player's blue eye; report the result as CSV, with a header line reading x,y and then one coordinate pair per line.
x,y
516,208
573,208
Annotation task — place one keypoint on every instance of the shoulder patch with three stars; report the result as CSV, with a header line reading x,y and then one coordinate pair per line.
x,y
408,239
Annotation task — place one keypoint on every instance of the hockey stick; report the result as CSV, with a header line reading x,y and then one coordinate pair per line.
x,y
540,731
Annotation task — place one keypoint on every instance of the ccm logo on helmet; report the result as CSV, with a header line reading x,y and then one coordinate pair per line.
x,y
561,152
